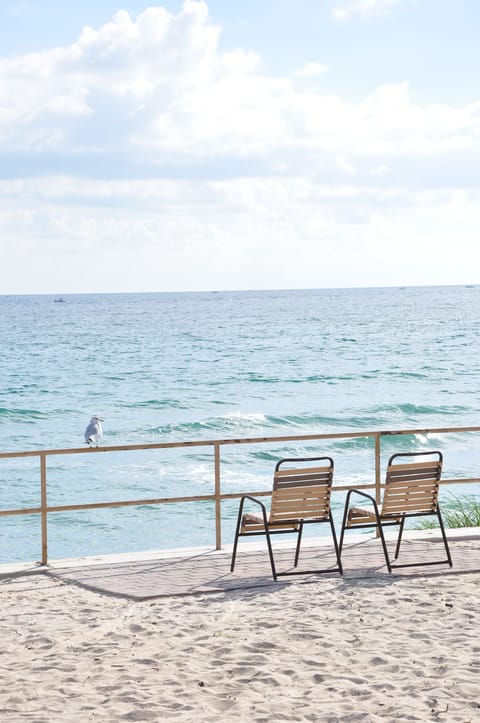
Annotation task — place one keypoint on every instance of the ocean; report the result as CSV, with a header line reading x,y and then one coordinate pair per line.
x,y
165,367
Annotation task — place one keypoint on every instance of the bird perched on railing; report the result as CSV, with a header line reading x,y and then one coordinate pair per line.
x,y
94,431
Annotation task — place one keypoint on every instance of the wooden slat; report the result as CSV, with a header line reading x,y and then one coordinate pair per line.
x,y
409,498
406,468
251,528
308,484
301,488
249,517
408,505
392,479
260,528
300,505
313,502
297,514
321,484
411,484
397,510
307,478
254,523
430,468
297,520
293,492
280,498
411,477
410,465
305,470
409,491
361,511
360,521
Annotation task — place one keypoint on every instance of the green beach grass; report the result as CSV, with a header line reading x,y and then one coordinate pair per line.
x,y
461,511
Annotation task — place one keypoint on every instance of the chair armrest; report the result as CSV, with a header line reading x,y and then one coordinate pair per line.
x,y
362,494
368,497
253,499
257,502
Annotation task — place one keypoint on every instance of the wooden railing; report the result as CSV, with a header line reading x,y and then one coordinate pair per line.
x,y
43,455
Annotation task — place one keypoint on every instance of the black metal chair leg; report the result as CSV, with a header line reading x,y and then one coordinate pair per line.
x,y
335,543
399,539
270,553
234,553
344,523
299,542
382,536
445,542
384,545
237,534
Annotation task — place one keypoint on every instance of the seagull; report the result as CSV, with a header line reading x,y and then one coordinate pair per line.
x,y
94,431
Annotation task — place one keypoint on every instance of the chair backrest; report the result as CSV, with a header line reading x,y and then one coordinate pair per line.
x,y
302,491
412,486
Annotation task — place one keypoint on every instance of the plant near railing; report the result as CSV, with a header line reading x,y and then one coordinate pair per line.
x,y
461,511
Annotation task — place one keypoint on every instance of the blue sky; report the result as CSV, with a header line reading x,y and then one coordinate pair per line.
x,y
231,145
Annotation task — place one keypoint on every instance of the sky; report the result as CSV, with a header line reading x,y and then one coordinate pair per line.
x,y
262,144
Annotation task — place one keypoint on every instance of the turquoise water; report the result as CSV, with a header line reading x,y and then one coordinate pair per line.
x,y
192,366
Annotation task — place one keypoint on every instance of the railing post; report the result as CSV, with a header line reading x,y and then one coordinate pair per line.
x,y
378,474
218,502
378,469
43,504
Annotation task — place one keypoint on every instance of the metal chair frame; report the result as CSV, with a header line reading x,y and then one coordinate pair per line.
x,y
293,525
390,519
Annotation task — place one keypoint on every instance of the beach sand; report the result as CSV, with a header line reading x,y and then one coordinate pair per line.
x,y
398,648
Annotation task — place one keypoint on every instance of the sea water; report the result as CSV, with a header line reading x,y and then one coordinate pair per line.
x,y
172,367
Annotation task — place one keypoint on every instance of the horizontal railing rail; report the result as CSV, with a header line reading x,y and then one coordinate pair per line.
x,y
44,509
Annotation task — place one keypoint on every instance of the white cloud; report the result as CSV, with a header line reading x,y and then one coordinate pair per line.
x,y
158,91
363,7
145,156
312,69
239,61
125,69
232,233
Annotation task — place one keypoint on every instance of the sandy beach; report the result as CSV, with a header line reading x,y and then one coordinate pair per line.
x,y
330,650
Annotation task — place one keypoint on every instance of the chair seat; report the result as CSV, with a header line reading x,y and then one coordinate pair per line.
x,y
254,523
361,515
366,515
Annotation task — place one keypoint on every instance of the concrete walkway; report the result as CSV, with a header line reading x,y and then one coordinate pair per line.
x,y
154,575
148,575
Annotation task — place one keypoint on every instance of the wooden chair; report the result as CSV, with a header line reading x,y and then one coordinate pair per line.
x,y
301,495
411,490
